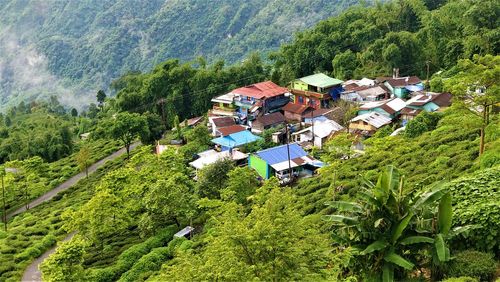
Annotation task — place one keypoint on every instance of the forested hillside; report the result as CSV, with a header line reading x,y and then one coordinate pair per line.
x,y
415,199
68,47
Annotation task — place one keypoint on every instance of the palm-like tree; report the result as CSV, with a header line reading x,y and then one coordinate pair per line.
x,y
392,227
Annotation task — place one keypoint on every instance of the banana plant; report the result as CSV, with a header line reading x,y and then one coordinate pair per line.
x,y
388,224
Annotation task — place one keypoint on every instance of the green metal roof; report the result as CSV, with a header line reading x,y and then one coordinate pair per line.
x,y
320,80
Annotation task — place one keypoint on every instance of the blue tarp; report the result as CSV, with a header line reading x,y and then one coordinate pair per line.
x,y
335,93
236,139
414,88
279,154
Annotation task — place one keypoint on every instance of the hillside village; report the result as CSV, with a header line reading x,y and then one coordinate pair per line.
x,y
304,116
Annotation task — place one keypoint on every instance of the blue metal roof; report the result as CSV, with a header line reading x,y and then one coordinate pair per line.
x,y
236,139
279,154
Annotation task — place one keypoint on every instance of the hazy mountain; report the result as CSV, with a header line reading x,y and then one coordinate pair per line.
x,y
68,47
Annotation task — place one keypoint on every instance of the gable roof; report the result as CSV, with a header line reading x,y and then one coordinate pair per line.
x,y
236,139
440,99
225,131
373,118
295,108
390,106
261,90
320,80
270,119
410,112
323,128
403,81
223,121
280,153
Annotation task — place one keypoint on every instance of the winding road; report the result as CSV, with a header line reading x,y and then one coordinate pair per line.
x,y
70,182
32,273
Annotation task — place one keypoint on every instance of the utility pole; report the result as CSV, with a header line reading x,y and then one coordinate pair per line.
x,y
161,102
428,66
288,151
312,127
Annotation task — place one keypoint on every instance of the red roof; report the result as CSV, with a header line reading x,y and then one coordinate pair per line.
x,y
223,121
261,90
270,119
225,131
295,108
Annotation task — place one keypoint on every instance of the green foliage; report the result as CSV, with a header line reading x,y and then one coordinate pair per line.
x,y
273,241
66,263
425,121
126,127
371,41
475,201
91,43
475,264
213,178
388,220
461,279
241,184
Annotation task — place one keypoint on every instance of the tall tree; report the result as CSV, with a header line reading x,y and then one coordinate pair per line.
x,y
475,87
126,127
82,159
101,97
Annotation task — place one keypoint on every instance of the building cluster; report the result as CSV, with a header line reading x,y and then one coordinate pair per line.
x,y
303,116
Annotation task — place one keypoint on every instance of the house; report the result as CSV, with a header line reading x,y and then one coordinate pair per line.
x,y
192,122
225,131
235,140
212,156
224,105
299,113
315,90
318,133
401,86
259,98
277,161
267,121
219,122
368,123
294,112
425,101
365,93
390,108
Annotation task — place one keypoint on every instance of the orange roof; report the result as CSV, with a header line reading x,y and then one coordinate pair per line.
x,y
295,108
225,131
261,90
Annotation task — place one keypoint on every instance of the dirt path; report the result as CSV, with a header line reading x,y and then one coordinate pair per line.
x,y
32,273
70,182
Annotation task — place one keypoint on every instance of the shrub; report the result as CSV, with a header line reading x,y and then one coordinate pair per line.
x,y
473,264
461,279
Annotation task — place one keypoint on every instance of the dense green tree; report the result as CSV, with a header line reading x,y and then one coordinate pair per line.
x,y
272,242
74,112
66,263
241,184
213,178
474,83
101,97
126,127
172,199
83,159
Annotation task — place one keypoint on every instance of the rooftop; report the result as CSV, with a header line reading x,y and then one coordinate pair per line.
x,y
320,80
236,139
375,119
322,128
225,131
271,119
403,81
211,156
261,90
280,153
223,121
295,108
390,106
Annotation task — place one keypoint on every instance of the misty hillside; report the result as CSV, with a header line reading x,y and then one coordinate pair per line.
x,y
67,47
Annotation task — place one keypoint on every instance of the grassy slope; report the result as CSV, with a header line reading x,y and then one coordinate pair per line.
x,y
33,232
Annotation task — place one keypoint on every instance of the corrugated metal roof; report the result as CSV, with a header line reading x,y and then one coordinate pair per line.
x,y
279,154
225,131
236,139
320,80
261,90
373,118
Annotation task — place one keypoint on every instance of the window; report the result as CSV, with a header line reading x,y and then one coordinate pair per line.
x,y
301,100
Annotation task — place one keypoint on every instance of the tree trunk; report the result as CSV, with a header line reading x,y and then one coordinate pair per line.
x,y
87,170
481,142
128,150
